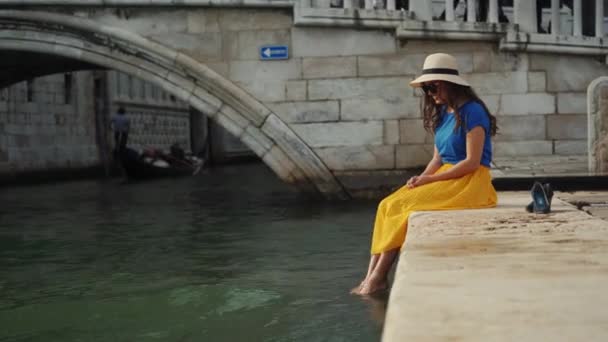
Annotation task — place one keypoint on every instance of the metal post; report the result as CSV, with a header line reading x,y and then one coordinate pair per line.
x,y
493,11
472,11
599,18
578,18
555,17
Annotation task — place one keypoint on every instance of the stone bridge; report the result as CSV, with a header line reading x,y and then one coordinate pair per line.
x,y
337,116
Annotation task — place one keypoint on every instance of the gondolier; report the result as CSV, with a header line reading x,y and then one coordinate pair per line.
x,y
120,124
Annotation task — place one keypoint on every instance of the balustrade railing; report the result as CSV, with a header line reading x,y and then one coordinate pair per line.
x,y
524,12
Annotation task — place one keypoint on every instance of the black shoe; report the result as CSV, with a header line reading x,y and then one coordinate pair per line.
x,y
548,192
540,200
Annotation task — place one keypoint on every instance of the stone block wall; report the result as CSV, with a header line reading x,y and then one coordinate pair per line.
x,y
345,91
41,128
158,119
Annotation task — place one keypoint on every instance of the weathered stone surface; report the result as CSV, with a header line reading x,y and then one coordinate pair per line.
x,y
358,157
296,90
203,46
220,67
429,46
505,61
380,109
531,269
390,65
320,42
236,117
499,83
525,104
567,126
309,165
522,148
492,102
227,40
391,132
250,42
481,61
265,91
412,131
521,128
250,20
410,156
537,81
280,163
571,147
329,67
302,112
231,122
259,71
406,64
202,21
341,134
568,73
600,212
144,21
205,102
572,103
386,88
230,45
256,140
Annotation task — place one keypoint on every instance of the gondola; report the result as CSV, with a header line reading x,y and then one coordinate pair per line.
x,y
139,166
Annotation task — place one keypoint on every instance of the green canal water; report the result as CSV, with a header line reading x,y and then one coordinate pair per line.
x,y
230,255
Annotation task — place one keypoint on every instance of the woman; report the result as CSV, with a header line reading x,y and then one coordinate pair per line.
x,y
458,175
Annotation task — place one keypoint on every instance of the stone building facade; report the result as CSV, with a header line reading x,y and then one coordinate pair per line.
x,y
339,111
46,123
61,122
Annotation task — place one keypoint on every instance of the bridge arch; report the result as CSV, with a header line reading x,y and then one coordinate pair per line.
x,y
221,100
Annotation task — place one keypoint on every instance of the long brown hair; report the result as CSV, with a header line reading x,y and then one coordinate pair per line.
x,y
431,112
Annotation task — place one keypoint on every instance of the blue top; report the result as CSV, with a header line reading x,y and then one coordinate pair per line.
x,y
452,144
120,123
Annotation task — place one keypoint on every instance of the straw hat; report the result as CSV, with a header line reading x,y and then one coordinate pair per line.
x,y
439,67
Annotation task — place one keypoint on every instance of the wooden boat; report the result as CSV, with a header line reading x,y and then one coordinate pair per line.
x,y
141,166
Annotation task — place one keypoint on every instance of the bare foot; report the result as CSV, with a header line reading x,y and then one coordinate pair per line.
x,y
357,289
373,286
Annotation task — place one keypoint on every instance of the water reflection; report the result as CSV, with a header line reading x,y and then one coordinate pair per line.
x,y
232,255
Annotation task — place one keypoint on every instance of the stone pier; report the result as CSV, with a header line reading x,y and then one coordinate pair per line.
x,y
501,275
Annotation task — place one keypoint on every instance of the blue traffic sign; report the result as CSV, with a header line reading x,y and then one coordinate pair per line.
x,y
270,52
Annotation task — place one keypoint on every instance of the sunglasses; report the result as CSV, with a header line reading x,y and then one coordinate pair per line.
x,y
429,88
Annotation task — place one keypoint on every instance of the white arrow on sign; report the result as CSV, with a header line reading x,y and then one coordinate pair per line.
x,y
267,52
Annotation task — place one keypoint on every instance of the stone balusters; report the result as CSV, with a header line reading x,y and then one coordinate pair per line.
x,y
449,10
578,18
422,9
305,3
525,15
555,17
472,11
493,11
599,18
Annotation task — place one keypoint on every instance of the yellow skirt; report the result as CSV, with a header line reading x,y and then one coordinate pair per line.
x,y
471,191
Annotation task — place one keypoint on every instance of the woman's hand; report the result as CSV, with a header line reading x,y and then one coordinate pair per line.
x,y
419,180
411,181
